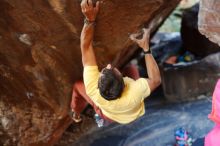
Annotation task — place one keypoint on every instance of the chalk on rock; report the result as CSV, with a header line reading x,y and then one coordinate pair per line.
x,y
25,38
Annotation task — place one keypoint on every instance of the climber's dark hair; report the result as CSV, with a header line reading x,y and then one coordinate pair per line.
x,y
110,84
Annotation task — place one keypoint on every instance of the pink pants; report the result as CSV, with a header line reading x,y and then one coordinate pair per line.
x,y
213,137
80,99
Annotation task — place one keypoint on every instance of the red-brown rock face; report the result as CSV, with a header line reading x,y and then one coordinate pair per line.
x,y
40,58
209,19
193,40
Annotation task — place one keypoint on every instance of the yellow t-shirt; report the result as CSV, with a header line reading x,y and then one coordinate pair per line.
x,y
126,108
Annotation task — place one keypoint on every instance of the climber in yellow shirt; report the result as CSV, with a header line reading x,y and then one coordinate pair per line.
x,y
118,98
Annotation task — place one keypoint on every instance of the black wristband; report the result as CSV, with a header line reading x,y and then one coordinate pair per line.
x,y
147,52
86,21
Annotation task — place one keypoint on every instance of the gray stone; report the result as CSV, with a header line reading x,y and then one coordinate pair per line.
x,y
156,128
189,80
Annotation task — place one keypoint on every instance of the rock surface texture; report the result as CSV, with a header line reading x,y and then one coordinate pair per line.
x,y
40,59
188,81
193,40
209,19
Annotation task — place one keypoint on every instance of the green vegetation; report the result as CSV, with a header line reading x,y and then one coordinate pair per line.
x,y
173,22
